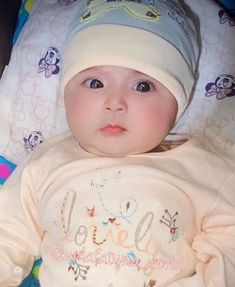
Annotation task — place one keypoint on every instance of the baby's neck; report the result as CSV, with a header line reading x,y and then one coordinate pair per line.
x,y
168,145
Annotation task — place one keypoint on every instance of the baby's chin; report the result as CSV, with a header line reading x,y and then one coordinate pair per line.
x,y
116,151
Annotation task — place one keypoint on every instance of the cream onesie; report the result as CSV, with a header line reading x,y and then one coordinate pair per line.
x,y
154,219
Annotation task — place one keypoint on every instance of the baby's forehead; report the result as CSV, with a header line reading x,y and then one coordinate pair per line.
x,y
109,68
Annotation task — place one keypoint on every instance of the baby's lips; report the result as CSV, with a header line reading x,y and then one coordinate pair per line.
x,y
113,129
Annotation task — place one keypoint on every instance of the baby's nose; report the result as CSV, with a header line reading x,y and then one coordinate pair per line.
x,y
115,108
115,103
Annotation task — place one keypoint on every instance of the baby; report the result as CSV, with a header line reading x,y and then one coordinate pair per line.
x,y
103,204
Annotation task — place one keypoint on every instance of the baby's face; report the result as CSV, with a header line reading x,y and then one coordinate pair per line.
x,y
114,111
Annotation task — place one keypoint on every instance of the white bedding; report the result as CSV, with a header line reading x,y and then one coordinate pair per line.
x,y
32,111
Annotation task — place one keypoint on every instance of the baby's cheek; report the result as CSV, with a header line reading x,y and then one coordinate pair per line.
x,y
159,122
151,115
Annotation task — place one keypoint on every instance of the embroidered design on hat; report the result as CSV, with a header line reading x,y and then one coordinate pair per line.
x,y
96,9
65,2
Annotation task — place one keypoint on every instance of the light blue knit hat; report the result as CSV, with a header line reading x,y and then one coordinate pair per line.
x,y
155,37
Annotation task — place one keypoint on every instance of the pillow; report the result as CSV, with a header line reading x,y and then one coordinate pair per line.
x,y
211,113
31,110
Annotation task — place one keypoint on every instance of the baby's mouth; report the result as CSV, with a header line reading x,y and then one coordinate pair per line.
x,y
113,129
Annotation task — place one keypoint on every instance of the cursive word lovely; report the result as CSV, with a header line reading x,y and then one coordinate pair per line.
x,y
141,240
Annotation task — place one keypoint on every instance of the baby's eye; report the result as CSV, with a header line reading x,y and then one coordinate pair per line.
x,y
94,84
143,86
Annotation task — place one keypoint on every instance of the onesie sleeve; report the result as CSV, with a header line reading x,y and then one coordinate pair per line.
x,y
214,246
20,236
